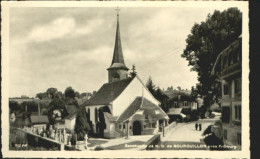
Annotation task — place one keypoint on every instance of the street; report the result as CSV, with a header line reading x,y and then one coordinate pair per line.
x,y
184,137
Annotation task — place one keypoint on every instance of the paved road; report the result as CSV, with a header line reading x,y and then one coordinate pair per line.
x,y
184,137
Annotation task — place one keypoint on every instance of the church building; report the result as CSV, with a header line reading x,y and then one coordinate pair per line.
x,y
123,106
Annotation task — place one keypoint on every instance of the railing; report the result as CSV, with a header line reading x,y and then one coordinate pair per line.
x,y
120,132
169,127
231,69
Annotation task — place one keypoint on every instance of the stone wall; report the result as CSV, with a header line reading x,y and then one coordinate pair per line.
x,y
151,144
232,135
169,127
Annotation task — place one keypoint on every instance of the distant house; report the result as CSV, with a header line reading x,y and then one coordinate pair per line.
x,y
21,100
39,120
176,114
228,68
70,120
184,101
171,93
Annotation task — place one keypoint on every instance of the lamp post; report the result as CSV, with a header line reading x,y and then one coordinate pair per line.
x,y
127,129
163,125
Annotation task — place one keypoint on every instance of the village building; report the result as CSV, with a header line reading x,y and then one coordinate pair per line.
x,y
123,106
70,119
39,121
184,101
228,68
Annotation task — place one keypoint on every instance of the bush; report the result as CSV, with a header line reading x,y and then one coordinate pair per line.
x,y
211,115
98,148
73,140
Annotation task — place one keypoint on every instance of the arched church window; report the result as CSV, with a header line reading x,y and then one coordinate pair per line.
x,y
96,115
88,114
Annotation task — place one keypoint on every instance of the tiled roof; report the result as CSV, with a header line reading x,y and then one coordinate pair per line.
x,y
71,108
174,111
142,104
71,116
81,100
39,119
148,105
108,92
110,117
132,108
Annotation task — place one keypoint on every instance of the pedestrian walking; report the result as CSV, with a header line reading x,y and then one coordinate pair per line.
x,y
196,126
199,126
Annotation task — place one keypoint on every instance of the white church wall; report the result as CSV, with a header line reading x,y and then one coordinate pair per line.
x,y
107,125
92,114
134,89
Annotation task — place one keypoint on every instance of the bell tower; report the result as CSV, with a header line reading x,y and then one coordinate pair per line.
x,y
118,70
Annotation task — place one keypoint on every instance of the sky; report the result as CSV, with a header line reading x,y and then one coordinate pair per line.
x,y
61,47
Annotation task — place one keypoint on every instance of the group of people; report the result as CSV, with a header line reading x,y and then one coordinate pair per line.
x,y
198,126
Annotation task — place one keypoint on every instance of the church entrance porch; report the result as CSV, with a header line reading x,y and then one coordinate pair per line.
x,y
137,128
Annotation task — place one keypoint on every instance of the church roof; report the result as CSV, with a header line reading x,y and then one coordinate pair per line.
x,y
134,106
139,103
110,117
108,92
118,58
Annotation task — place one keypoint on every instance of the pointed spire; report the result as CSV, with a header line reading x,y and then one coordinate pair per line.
x,y
118,58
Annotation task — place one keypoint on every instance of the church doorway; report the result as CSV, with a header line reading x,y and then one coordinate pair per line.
x,y
137,128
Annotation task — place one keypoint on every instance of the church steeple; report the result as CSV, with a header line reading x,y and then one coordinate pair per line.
x,y
118,69
118,58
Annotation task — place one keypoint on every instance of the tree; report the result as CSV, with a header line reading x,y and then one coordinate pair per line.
x,y
32,106
85,94
69,92
56,104
13,106
150,85
133,73
170,88
41,95
81,126
194,93
51,92
204,44
160,96
58,94
77,94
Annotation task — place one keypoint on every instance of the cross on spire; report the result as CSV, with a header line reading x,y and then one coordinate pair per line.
x,y
117,10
